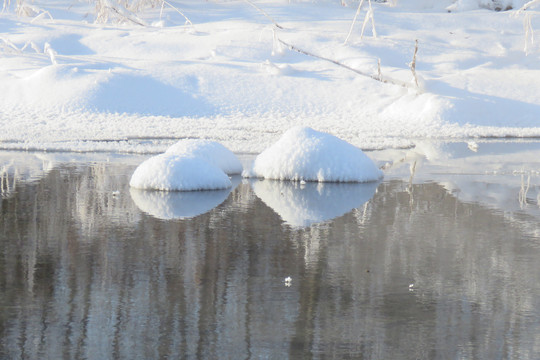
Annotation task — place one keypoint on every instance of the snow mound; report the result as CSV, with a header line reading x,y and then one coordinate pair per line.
x,y
303,205
211,151
171,172
303,154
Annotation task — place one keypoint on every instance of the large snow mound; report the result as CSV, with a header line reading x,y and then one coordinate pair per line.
x,y
211,151
304,154
171,172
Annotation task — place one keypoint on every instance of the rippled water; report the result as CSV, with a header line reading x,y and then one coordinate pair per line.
x,y
431,263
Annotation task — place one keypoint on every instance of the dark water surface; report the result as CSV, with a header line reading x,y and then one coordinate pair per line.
x,y
394,270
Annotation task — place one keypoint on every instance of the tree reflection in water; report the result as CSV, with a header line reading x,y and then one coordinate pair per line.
x,y
85,274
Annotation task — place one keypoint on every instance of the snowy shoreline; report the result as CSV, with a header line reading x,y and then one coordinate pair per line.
x,y
72,85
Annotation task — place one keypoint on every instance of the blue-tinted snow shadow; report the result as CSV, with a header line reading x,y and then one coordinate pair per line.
x,y
128,93
302,205
8,25
70,44
168,205
475,109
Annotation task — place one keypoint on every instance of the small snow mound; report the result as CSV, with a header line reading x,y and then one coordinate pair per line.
x,y
211,151
171,172
305,154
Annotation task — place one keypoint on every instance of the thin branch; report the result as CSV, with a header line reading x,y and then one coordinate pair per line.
x,y
42,15
178,11
127,17
8,43
377,77
527,6
529,33
354,21
369,15
265,14
412,65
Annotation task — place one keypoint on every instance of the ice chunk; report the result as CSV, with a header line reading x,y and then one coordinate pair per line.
x,y
172,172
213,152
303,154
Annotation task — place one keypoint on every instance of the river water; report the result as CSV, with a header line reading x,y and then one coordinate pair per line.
x,y
439,260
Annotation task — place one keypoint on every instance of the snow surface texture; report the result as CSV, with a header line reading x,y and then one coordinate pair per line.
x,y
70,84
211,151
497,5
303,154
171,172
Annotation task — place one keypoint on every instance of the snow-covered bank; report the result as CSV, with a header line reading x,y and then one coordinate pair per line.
x,y
69,84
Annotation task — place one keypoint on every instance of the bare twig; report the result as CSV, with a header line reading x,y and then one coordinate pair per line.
x,y
136,21
42,15
178,11
527,26
369,15
529,33
354,21
412,65
105,7
265,14
377,77
48,50
8,44
528,5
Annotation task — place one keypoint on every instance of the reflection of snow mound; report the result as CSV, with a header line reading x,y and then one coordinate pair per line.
x,y
305,154
172,172
302,205
177,205
211,151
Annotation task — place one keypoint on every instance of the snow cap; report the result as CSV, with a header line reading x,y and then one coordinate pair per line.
x,y
171,172
304,154
211,151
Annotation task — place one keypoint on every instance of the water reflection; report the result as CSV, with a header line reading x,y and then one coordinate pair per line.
x,y
85,276
304,204
17,168
167,205
501,175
